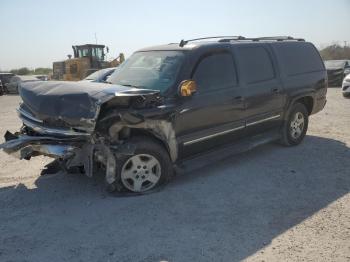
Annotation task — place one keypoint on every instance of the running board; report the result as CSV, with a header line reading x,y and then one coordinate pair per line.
x,y
221,153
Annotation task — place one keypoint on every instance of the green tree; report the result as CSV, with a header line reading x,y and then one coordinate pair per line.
x,y
23,71
42,71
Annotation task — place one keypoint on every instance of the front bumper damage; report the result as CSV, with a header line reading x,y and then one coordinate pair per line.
x,y
72,151
24,146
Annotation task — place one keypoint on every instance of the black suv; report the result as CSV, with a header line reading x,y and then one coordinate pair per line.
x,y
174,106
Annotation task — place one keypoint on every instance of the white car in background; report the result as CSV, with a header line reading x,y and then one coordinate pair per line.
x,y
346,86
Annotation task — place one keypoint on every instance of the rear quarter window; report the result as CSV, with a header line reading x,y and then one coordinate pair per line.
x,y
298,58
255,64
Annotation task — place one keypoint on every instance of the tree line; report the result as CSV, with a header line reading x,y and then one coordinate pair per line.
x,y
335,52
27,71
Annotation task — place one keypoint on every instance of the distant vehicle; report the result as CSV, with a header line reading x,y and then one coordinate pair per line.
x,y
346,86
2,91
100,76
42,77
4,79
87,59
336,71
16,81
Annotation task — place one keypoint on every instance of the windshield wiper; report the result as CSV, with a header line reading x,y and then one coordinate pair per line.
x,y
128,85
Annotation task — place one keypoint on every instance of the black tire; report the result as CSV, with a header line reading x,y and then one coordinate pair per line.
x,y
287,133
149,146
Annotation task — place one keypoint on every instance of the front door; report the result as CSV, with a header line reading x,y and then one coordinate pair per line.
x,y
213,115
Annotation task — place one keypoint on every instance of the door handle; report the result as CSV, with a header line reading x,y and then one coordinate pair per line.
x,y
275,90
239,98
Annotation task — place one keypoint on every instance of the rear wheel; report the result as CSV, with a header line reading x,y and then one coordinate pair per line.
x,y
147,169
295,127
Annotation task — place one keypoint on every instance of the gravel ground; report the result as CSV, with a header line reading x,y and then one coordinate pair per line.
x,y
270,204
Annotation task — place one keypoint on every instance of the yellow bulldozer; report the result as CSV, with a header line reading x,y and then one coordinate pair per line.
x,y
87,59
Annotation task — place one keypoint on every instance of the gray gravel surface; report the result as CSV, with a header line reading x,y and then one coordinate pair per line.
x,y
270,204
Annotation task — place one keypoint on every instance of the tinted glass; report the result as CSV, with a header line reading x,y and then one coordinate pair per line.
x,y
215,71
255,64
298,58
97,52
83,52
14,79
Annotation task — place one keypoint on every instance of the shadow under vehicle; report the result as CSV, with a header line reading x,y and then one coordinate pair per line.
x,y
171,107
224,212
87,59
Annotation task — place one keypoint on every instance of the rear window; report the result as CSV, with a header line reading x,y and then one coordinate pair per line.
x,y
298,58
256,64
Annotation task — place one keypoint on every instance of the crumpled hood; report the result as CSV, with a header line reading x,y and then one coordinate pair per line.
x,y
71,102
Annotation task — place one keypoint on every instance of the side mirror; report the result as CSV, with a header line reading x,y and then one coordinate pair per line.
x,y
187,88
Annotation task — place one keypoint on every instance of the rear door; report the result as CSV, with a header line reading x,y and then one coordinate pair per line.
x,y
263,91
213,115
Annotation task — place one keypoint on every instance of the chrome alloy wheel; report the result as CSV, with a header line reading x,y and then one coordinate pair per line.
x,y
297,125
141,172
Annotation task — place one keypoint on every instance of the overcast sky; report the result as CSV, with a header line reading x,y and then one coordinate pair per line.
x,y
34,33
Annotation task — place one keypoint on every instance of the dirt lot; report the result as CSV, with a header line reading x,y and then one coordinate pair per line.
x,y
270,204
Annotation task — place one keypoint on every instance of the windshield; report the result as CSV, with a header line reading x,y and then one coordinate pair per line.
x,y
334,63
155,70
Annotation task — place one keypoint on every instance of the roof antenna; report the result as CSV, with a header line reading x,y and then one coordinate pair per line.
x,y
96,38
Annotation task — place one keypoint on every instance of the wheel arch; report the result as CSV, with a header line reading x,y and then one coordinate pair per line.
x,y
307,99
149,134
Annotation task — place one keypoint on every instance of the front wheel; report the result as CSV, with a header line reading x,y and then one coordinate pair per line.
x,y
295,127
148,168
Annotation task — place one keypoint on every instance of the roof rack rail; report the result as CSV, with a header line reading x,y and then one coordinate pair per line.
x,y
184,42
266,38
242,38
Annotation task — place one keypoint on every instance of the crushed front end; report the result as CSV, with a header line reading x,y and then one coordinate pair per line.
x,y
60,121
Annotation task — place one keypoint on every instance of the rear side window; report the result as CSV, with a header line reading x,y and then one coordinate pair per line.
x,y
298,58
255,64
215,71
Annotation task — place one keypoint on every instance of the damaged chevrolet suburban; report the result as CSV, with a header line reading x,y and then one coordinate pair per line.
x,y
173,106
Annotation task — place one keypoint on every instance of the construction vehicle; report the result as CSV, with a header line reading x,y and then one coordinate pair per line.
x,y
87,59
